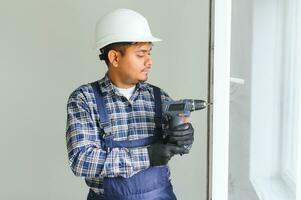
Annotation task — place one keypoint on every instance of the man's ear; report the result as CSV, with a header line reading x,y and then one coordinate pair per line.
x,y
113,57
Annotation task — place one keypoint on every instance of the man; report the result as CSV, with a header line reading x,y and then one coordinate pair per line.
x,y
114,125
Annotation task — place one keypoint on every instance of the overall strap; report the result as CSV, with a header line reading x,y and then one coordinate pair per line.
x,y
158,107
111,143
101,107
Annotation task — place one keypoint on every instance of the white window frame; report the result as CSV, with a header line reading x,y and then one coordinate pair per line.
x,y
298,108
265,100
219,135
290,95
274,143
219,112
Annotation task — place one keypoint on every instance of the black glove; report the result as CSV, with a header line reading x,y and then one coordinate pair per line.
x,y
160,154
181,135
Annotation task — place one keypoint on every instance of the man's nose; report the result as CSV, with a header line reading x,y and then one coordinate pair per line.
x,y
149,61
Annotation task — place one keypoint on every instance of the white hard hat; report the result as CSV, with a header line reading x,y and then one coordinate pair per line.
x,y
122,25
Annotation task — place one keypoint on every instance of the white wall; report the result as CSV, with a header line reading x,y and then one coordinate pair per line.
x,y
46,52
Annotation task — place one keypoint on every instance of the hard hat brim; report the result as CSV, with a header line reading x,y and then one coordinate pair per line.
x,y
117,38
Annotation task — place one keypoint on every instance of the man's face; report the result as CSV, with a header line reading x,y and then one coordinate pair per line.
x,y
135,64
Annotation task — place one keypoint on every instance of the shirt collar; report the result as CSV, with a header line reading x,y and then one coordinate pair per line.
x,y
142,85
106,85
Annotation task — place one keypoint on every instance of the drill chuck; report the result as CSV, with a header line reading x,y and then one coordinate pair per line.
x,y
199,104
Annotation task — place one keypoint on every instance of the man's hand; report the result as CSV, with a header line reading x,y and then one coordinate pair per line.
x,y
181,135
160,154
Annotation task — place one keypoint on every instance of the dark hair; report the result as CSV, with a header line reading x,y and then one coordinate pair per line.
x,y
118,46
121,47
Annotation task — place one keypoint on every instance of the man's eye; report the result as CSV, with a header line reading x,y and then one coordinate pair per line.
x,y
140,55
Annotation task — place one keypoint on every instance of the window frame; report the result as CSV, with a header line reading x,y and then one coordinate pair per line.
x,y
279,180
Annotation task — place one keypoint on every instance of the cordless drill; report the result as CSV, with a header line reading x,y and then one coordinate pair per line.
x,y
177,112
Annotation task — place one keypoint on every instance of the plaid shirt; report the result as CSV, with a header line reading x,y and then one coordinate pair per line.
x,y
130,119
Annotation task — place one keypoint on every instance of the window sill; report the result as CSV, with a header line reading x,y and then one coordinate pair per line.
x,y
272,189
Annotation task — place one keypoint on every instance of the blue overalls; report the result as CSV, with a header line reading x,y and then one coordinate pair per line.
x,y
149,184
